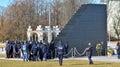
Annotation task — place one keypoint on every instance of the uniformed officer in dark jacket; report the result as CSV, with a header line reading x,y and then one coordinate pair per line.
x,y
89,50
11,49
45,51
30,44
17,47
60,52
8,49
34,51
66,48
52,49
40,52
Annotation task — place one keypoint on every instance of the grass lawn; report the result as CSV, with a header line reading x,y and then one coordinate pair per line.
x,y
66,63
2,55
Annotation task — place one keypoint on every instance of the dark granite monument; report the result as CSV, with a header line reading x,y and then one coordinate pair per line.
x,y
88,24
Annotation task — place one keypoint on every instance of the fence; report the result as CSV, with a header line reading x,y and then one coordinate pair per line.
x,y
74,53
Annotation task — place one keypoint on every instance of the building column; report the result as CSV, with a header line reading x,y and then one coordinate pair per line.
x,y
29,30
40,35
56,30
49,37
28,36
49,33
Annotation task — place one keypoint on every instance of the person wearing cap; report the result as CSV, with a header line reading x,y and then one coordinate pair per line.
x,y
60,52
89,51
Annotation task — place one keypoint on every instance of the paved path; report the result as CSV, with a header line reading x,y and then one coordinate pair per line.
x,y
95,58
2,51
100,58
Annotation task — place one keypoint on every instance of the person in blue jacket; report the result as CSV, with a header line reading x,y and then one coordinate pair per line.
x,y
24,49
60,52
89,51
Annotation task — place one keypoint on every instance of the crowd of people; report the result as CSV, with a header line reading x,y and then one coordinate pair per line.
x,y
41,51
32,50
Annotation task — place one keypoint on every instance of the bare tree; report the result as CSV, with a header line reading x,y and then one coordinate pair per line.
x,y
22,13
1,21
116,25
113,19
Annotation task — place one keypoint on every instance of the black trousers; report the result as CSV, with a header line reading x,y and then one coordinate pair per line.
x,y
60,59
90,60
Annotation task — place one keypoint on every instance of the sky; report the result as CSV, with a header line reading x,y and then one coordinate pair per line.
x,y
4,3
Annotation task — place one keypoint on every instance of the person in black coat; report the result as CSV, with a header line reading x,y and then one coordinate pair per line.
x,y
118,49
60,52
45,51
7,48
52,49
34,51
66,47
30,44
40,52
89,51
17,47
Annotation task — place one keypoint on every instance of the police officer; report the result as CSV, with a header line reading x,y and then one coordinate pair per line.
x,y
66,48
44,50
17,49
34,51
40,52
7,48
89,50
60,52
52,49
11,49
29,49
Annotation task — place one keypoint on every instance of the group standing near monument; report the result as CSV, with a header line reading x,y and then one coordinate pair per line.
x,y
41,51
31,50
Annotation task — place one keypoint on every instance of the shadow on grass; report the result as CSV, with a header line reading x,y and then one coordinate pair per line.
x,y
77,64
95,64
103,64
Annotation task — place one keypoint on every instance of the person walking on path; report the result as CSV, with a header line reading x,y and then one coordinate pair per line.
x,y
89,51
60,52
